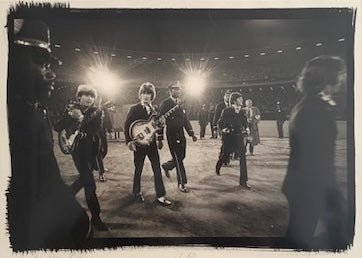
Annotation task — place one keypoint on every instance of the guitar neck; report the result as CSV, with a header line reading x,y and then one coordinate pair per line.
x,y
168,113
94,115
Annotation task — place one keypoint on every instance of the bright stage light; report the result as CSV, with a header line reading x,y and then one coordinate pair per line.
x,y
195,83
105,81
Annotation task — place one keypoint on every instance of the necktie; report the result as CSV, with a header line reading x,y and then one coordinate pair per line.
x,y
148,109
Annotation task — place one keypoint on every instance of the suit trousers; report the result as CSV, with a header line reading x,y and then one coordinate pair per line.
x,y
280,128
139,159
86,179
177,147
231,142
202,131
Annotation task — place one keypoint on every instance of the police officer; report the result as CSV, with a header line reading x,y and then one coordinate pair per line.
x,y
175,124
42,213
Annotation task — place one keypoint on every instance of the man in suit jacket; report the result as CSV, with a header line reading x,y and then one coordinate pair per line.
x,y
42,213
280,118
143,111
219,108
175,124
232,123
203,119
310,184
211,121
86,153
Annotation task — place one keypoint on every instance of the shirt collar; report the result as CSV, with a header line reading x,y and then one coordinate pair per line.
x,y
237,108
146,105
174,99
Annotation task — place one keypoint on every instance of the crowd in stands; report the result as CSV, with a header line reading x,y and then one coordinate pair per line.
x,y
265,79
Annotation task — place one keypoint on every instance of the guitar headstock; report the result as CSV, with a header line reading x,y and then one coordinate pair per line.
x,y
108,104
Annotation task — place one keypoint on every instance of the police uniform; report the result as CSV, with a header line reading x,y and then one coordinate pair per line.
x,y
175,124
41,212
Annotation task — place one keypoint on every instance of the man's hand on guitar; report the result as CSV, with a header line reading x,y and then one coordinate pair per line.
x,y
76,114
225,130
131,146
162,121
159,145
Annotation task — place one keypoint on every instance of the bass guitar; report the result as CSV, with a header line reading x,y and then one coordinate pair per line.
x,y
68,138
142,132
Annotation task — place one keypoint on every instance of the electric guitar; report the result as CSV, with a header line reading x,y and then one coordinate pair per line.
x,y
68,138
142,131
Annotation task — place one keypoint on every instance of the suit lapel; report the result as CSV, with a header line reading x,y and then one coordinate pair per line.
x,y
142,111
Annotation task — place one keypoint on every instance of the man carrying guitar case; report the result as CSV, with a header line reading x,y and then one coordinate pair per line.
x,y
144,111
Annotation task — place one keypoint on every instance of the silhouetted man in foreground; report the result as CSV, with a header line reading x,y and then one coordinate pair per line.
x,y
42,213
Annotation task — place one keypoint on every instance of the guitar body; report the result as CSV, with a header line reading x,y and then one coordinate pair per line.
x,y
68,138
142,132
68,141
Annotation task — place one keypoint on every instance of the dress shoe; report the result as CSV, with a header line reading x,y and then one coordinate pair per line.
x,y
163,201
98,224
245,185
183,189
164,167
139,197
217,170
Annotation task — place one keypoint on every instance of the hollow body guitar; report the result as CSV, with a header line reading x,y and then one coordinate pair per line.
x,y
68,138
142,132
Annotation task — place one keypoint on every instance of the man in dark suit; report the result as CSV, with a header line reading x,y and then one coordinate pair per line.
x,y
310,184
218,110
232,123
175,123
87,151
203,118
143,111
280,118
211,121
42,213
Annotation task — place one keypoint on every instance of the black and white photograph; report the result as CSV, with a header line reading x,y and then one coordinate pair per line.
x,y
212,127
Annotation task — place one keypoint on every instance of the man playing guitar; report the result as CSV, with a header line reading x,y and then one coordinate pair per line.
x,y
85,154
143,111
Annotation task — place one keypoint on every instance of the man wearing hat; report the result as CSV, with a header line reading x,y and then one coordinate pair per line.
x,y
42,213
175,124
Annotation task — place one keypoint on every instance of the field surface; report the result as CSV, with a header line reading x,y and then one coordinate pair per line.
x,y
215,206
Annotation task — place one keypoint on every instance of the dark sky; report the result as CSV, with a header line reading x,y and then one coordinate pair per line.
x,y
185,33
